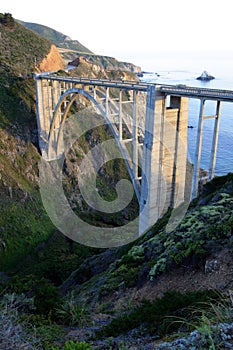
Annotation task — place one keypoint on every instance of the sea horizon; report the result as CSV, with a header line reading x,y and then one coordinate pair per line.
x,y
183,70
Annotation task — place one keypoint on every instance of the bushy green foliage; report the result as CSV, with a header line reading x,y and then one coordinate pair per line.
x,y
213,186
71,345
201,232
157,316
56,259
46,296
23,226
7,20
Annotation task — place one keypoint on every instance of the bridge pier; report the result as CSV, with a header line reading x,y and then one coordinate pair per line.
x,y
213,154
135,135
162,130
43,112
164,156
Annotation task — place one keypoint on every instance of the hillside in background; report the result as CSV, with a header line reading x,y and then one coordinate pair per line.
x,y
57,38
73,50
106,63
56,294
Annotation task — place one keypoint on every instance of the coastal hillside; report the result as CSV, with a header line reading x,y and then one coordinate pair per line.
x,y
106,63
22,54
22,216
57,38
72,50
169,289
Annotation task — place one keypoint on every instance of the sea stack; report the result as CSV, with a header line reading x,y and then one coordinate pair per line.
x,y
205,76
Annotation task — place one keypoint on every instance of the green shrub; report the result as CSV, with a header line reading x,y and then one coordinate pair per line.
x,y
157,316
46,296
71,345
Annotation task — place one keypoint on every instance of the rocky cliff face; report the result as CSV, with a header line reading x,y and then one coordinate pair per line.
x,y
52,61
105,63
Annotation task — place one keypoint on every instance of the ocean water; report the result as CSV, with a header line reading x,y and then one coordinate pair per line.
x,y
184,70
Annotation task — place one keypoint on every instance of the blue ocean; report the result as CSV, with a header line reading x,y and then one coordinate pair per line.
x,y
168,69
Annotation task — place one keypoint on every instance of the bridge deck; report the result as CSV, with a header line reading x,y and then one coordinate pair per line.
x,y
175,90
197,92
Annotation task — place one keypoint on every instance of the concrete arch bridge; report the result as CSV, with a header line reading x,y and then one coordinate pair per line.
x,y
156,118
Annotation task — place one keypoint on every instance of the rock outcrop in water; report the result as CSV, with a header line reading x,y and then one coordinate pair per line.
x,y
205,76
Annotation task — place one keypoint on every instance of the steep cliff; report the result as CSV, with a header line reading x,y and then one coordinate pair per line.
x,y
22,215
105,62
53,61
23,51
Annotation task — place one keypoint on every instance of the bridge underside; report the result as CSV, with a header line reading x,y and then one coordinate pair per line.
x,y
149,126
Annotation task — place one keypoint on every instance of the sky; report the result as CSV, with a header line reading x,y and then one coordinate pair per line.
x,y
132,30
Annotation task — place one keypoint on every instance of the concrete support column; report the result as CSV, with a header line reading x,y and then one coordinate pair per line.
x,y
175,150
214,142
55,97
197,158
135,135
40,111
46,107
106,102
119,115
49,104
94,92
44,112
152,186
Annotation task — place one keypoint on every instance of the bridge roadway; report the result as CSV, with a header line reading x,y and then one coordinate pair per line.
x,y
175,90
53,107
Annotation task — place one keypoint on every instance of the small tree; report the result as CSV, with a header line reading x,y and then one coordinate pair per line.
x,y
7,20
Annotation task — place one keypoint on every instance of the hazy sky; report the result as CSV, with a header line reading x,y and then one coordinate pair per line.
x,y
130,28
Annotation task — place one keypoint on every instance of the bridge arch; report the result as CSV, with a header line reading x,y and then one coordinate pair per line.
x,y
55,96
56,114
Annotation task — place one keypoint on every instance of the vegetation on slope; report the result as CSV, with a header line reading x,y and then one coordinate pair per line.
x,y
20,49
49,283
72,50
23,223
57,38
107,282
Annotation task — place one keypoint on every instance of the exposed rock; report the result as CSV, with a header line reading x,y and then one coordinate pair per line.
x,y
211,265
105,62
53,61
205,76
